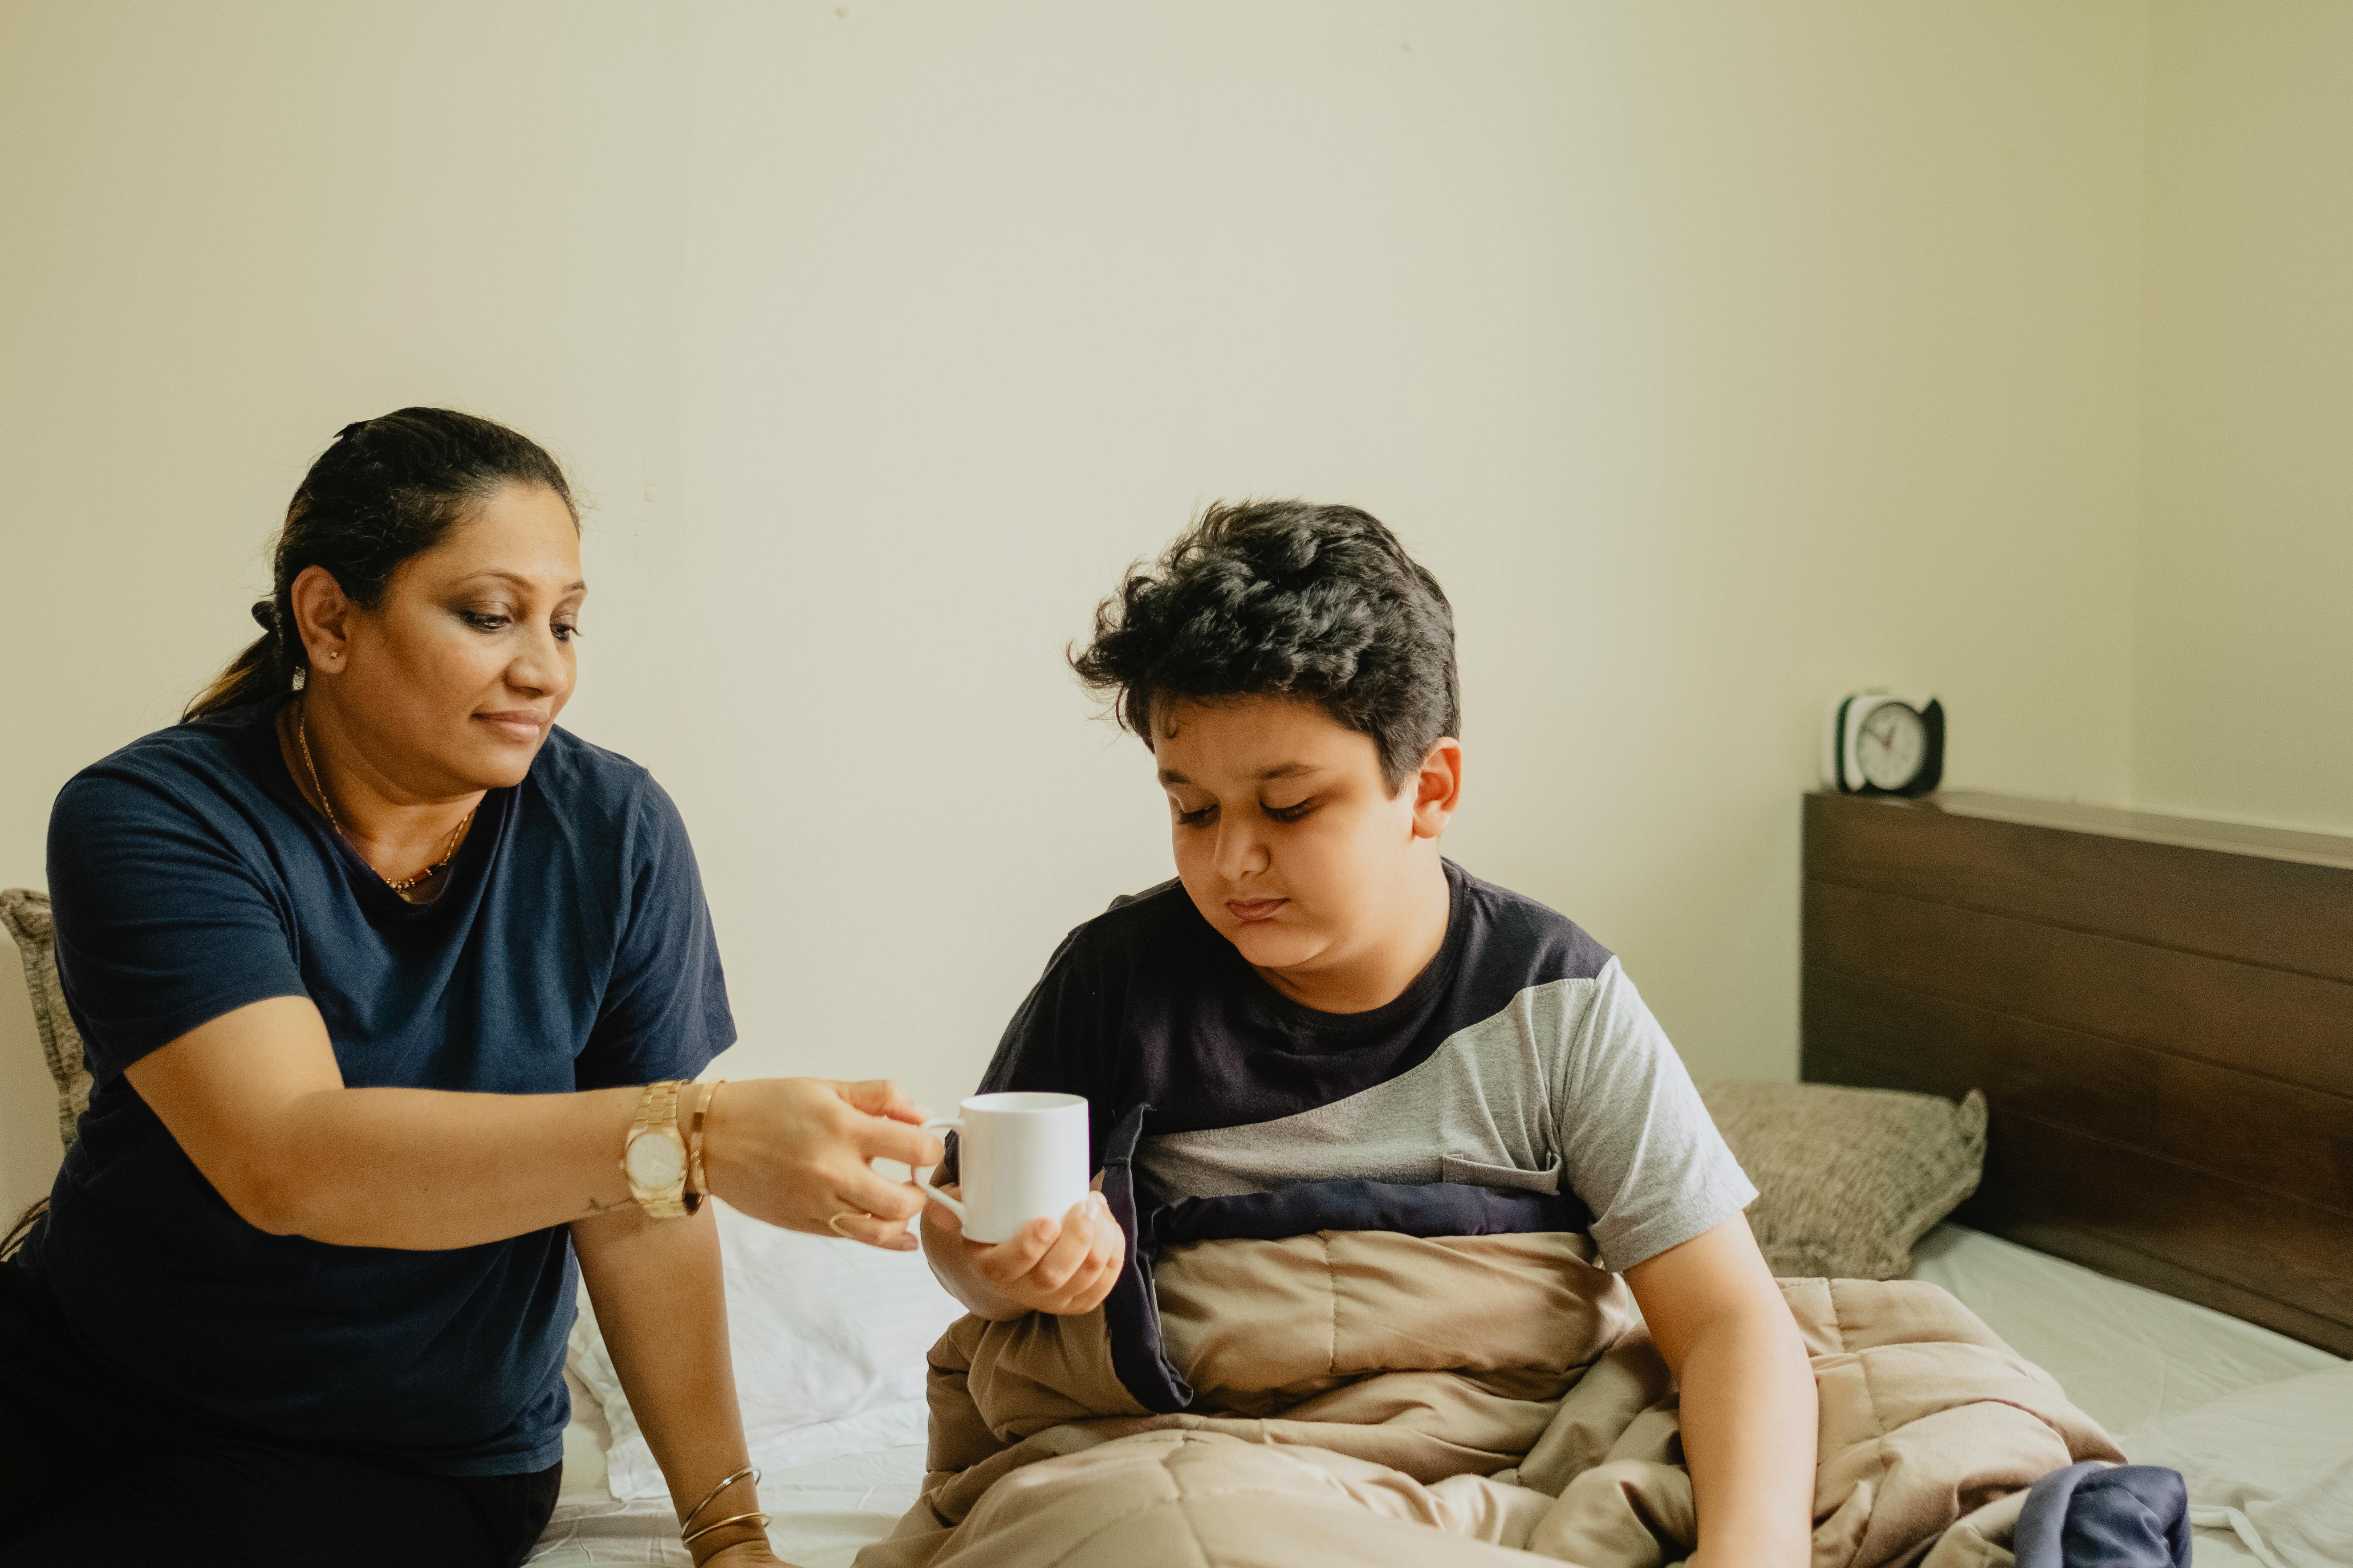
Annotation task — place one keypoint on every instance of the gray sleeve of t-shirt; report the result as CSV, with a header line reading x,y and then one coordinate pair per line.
x,y
1637,1143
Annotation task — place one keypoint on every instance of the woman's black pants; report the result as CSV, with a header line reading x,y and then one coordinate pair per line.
x,y
94,1475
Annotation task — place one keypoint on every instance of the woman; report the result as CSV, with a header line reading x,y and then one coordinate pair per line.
x,y
374,967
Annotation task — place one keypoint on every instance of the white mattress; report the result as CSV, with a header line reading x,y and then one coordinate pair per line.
x,y
824,1513
2125,1355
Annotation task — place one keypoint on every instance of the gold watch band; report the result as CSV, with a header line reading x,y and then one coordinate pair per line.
x,y
658,1118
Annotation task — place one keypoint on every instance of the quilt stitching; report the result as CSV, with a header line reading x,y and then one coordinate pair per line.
x,y
1331,1287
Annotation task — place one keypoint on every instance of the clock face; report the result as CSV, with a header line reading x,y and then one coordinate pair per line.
x,y
1891,745
655,1162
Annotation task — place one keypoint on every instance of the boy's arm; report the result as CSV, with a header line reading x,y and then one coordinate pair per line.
x,y
1750,1415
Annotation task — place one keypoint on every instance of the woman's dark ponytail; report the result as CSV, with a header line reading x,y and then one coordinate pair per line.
x,y
386,489
20,1229
261,672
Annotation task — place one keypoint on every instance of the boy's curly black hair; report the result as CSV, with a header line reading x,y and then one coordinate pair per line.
x,y
1284,598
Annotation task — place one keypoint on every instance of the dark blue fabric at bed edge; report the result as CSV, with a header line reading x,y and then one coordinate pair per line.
x,y
2099,1516
1132,1315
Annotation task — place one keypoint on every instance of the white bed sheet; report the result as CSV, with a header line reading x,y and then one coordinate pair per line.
x,y
2126,1355
823,1511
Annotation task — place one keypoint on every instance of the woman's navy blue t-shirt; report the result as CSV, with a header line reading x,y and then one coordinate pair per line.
x,y
570,949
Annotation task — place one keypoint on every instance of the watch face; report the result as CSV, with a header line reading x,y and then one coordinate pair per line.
x,y
655,1162
1891,746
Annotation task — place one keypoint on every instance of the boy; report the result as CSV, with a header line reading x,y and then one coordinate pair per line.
x,y
1319,996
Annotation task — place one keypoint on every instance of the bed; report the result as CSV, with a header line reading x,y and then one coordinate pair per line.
x,y
2129,1356
2160,1014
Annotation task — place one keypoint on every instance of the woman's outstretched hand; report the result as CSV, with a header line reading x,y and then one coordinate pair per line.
x,y
795,1152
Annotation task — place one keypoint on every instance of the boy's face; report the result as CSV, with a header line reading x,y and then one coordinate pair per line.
x,y
1286,837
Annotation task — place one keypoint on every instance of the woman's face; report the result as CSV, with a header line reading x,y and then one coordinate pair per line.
x,y
452,681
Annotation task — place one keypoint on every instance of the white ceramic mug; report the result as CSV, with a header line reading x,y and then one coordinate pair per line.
x,y
1022,1157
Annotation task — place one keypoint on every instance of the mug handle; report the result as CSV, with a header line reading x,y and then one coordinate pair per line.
x,y
920,1174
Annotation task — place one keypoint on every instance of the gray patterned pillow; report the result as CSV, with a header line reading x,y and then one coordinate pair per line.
x,y
1848,1179
26,913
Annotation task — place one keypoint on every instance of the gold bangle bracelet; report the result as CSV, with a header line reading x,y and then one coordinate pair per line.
x,y
755,1517
698,1183
712,1495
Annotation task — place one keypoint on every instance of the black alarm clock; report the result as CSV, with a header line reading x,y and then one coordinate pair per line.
x,y
1879,743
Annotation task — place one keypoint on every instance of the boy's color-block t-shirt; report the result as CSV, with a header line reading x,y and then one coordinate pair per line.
x,y
1521,1058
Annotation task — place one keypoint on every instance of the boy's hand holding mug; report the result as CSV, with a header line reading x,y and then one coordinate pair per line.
x,y
1025,1231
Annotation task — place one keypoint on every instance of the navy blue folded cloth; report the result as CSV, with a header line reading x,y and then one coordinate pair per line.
x,y
2099,1516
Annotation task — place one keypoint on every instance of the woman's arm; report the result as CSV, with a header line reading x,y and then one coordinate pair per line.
x,y
661,1309
256,1100
1750,1416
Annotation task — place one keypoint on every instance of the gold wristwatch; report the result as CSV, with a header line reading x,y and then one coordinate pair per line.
x,y
653,1157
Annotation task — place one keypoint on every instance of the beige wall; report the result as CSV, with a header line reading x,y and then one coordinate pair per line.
x,y
2242,672
1717,358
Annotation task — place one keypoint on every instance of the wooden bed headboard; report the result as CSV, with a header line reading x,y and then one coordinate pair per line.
x,y
2159,1011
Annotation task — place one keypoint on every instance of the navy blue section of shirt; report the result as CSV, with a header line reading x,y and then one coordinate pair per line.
x,y
1302,1209
1146,1003
569,948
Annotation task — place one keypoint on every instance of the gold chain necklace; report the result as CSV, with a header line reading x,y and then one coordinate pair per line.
x,y
303,735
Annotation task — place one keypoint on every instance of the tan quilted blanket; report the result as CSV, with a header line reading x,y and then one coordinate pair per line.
x,y
1367,1397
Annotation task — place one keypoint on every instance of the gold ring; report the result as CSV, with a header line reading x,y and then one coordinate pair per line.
x,y
835,1223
